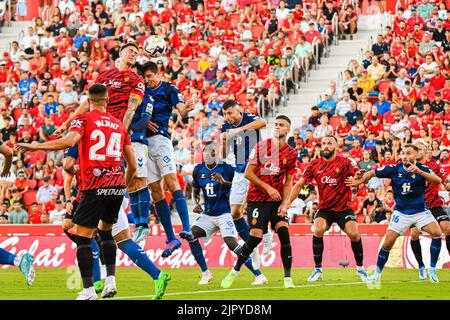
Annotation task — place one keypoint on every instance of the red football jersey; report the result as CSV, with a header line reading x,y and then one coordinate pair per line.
x,y
273,164
432,197
100,150
330,177
121,86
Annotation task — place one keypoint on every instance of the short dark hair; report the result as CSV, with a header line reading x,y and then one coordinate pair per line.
x,y
208,143
332,137
98,89
283,117
129,44
229,104
412,146
149,66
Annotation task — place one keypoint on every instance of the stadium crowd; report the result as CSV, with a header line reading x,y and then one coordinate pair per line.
x,y
220,50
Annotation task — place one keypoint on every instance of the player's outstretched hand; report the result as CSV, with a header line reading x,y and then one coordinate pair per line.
x,y
26,146
190,104
413,168
197,209
60,130
218,178
352,182
152,126
274,194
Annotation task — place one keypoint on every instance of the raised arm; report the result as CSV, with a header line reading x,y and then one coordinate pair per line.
x,y
84,107
68,141
133,103
130,159
354,182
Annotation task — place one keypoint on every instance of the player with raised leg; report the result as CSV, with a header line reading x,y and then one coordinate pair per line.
x,y
330,172
24,262
213,178
408,183
164,97
270,170
241,132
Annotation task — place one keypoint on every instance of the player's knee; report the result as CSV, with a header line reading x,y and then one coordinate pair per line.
x,y
105,235
256,233
414,233
319,231
198,232
283,235
137,184
354,235
231,242
122,235
156,192
235,214
172,183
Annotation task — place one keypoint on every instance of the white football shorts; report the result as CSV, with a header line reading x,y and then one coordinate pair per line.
x,y
239,187
212,224
141,153
122,220
161,158
401,222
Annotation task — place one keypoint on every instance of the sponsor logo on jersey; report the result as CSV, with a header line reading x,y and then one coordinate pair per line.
x,y
329,180
272,167
113,83
76,123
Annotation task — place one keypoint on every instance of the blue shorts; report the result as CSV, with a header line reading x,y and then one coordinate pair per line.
x,y
71,152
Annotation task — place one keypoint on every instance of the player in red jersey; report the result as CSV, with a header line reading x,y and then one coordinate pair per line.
x,y
103,140
270,170
330,172
125,89
434,203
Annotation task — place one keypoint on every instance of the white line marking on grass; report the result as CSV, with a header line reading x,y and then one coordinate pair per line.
x,y
262,288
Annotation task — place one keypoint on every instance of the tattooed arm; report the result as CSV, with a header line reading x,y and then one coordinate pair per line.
x,y
133,103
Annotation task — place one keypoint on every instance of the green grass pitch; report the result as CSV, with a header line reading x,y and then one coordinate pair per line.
x,y
133,283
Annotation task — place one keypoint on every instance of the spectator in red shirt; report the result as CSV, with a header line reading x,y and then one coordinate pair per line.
x,y
34,214
437,81
343,128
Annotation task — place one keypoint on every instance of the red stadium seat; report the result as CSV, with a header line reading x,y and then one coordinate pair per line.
x,y
334,121
360,218
32,184
234,16
257,31
241,98
300,219
383,85
29,197
16,113
193,64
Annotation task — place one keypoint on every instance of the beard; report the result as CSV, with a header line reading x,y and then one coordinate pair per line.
x,y
327,154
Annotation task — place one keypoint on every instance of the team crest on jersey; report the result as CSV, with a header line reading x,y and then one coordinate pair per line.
x,y
254,221
96,172
337,170
126,79
284,160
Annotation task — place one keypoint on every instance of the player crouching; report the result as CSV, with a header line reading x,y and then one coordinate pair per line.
x,y
214,179
270,171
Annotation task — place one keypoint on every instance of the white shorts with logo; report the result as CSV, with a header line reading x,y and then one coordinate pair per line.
x,y
161,158
400,222
141,153
212,224
239,187
122,220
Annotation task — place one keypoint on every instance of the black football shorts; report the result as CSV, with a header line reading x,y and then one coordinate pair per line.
x,y
439,214
341,218
259,214
99,204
